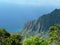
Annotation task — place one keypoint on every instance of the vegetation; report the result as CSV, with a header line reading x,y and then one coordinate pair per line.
x,y
8,39
53,39
35,41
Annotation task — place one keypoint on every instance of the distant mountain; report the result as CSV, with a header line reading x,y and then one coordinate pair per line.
x,y
42,24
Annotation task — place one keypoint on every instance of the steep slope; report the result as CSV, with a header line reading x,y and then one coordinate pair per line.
x,y
42,24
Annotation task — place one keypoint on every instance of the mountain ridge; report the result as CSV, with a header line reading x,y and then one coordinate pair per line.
x,y
42,24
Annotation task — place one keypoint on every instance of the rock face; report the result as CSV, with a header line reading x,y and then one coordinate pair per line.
x,y
42,24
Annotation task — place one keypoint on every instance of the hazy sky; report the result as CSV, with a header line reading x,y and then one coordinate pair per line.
x,y
33,2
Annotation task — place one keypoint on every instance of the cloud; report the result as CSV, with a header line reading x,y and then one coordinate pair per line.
x,y
33,2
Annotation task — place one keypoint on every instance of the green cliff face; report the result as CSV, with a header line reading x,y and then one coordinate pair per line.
x,y
40,25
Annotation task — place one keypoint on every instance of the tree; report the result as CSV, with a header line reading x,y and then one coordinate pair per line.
x,y
7,39
54,34
14,40
35,41
3,35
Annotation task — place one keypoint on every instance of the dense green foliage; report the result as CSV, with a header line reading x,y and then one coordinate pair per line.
x,y
8,39
54,34
35,41
53,38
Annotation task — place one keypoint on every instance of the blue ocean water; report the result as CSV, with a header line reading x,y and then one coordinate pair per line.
x,y
13,17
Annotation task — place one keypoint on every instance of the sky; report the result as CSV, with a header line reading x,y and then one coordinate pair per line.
x,y
33,2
